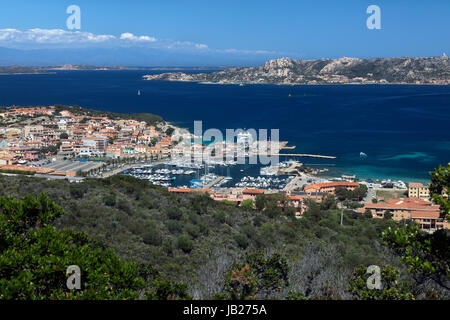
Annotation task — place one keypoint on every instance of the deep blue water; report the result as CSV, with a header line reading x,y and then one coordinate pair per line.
x,y
404,130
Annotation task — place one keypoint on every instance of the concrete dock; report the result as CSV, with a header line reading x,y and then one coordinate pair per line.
x,y
215,181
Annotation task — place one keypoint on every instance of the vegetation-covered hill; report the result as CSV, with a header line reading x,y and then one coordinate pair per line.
x,y
193,239
173,246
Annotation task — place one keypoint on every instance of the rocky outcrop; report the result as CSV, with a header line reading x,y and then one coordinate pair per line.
x,y
434,70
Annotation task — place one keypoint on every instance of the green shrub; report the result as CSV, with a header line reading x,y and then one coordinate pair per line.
x,y
152,236
241,240
110,200
174,213
185,243
220,216
192,230
174,226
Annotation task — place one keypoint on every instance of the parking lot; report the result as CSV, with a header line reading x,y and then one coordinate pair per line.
x,y
68,165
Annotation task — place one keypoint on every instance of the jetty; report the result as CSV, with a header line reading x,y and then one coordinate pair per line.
x,y
213,182
297,155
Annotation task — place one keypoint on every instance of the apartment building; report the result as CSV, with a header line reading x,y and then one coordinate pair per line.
x,y
418,190
419,210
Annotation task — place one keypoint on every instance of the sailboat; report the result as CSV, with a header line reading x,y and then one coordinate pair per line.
x,y
139,92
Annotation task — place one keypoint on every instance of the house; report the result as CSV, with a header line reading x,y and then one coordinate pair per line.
x,y
7,159
97,145
418,190
85,151
330,187
32,155
251,193
419,210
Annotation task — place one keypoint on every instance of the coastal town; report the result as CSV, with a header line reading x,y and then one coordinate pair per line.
x,y
54,142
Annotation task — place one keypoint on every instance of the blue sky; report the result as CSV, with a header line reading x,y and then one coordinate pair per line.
x,y
257,29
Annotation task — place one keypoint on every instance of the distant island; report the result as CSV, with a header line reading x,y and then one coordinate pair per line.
x,y
404,70
10,70
6,70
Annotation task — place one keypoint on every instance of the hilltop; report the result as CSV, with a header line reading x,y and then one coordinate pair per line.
x,y
432,70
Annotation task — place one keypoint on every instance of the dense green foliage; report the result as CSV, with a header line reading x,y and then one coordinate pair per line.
x,y
149,118
24,172
391,288
426,255
34,257
357,194
440,188
189,246
193,239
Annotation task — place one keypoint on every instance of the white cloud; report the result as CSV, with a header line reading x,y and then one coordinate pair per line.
x,y
132,37
58,38
50,36
237,51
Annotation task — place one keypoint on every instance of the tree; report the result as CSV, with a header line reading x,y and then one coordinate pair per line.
x,y
360,192
368,214
185,243
166,290
260,202
64,135
342,193
241,240
426,255
328,203
387,214
257,275
247,204
34,257
440,189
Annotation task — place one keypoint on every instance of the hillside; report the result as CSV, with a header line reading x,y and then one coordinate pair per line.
x,y
191,238
435,70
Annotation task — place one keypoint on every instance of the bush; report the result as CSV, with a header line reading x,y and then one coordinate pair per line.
x,y
185,243
241,240
77,191
124,206
220,217
110,200
228,202
248,230
174,213
247,204
174,226
152,236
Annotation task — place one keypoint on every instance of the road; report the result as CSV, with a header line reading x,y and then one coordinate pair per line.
x,y
371,194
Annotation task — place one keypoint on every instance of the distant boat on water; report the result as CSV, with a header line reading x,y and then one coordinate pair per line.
x,y
139,92
362,155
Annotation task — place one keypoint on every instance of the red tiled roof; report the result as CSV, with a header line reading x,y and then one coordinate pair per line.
x,y
425,214
253,191
405,204
332,184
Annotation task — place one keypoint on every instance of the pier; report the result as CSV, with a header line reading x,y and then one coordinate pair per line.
x,y
297,155
212,183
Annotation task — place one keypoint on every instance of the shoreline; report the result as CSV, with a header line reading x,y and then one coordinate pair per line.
x,y
299,84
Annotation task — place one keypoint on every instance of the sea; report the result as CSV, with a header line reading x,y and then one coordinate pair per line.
x,y
402,130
